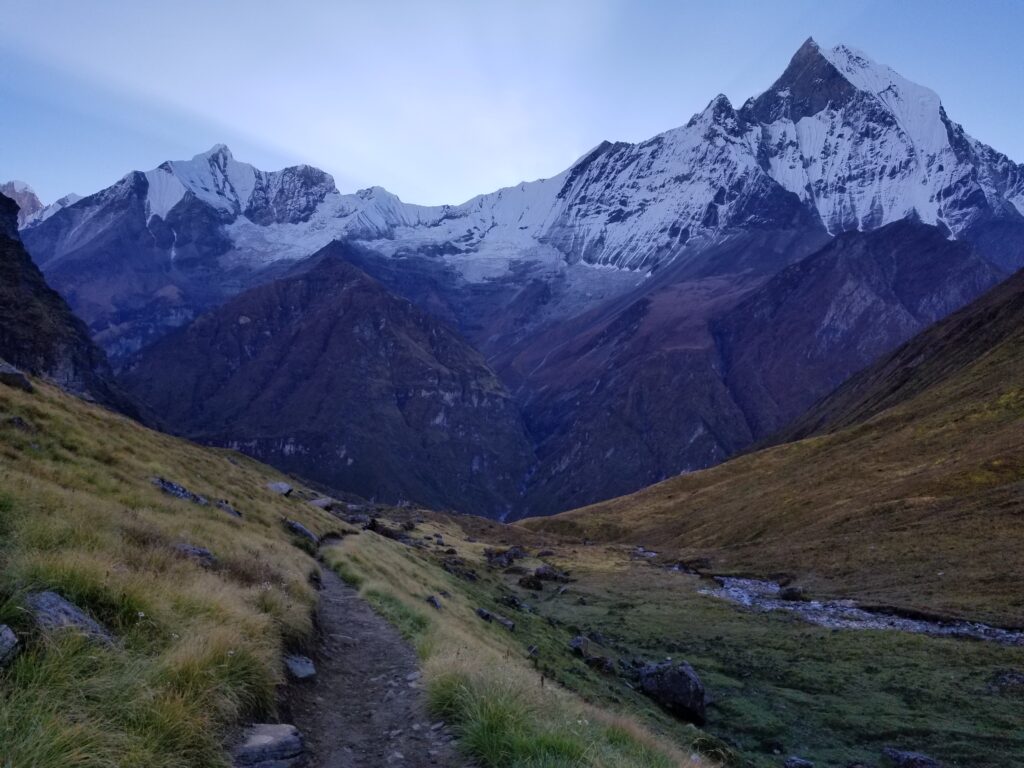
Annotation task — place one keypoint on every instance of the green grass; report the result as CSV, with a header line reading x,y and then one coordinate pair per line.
x,y
410,623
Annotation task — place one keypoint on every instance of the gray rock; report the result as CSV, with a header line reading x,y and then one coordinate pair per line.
x,y
9,646
300,667
904,759
225,506
201,555
178,491
12,377
550,573
52,612
300,530
677,688
797,762
283,488
269,745
488,616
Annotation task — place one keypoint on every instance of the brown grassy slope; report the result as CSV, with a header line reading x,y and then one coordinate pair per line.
x,y
920,506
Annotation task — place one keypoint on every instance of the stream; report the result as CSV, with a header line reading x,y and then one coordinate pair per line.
x,y
764,596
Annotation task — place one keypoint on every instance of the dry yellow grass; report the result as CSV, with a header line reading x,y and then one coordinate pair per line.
x,y
199,648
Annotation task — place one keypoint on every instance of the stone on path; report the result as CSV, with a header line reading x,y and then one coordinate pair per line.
x,y
300,667
269,745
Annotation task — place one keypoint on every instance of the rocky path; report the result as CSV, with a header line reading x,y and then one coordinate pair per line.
x,y
365,707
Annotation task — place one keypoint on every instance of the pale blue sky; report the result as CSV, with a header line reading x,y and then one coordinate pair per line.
x,y
439,100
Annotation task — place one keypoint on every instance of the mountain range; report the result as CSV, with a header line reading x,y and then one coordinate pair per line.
x,y
653,309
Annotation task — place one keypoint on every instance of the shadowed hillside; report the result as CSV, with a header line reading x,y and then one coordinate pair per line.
x,y
914,499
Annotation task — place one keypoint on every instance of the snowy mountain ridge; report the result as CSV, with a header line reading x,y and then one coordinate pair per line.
x,y
850,140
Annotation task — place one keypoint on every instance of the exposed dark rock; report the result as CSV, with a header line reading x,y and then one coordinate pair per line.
x,y
376,526
12,377
434,601
300,667
532,583
791,593
38,332
269,745
201,555
280,487
503,558
52,612
511,601
458,567
592,655
550,573
225,506
300,530
488,616
677,688
1006,681
179,491
357,519
903,759
9,645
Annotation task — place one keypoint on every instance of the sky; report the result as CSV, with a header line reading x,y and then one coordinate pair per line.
x,y
439,101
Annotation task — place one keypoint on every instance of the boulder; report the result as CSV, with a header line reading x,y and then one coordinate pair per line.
x,y
201,555
677,688
503,558
268,745
903,759
9,645
225,506
282,488
797,762
178,491
300,667
531,582
52,612
487,616
550,573
592,656
457,567
294,526
12,377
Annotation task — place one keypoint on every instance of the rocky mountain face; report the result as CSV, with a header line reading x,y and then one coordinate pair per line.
x,y
39,333
28,202
623,302
325,373
815,323
938,353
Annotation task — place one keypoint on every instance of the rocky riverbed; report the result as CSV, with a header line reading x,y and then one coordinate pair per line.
x,y
846,614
